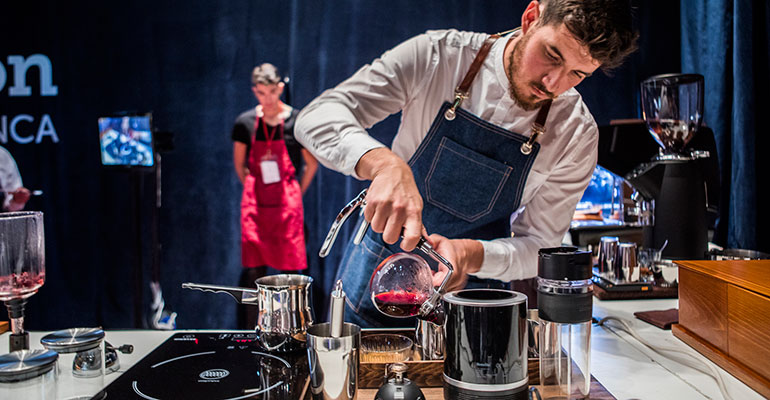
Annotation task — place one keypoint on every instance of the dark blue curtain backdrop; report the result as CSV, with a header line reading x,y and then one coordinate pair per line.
x,y
189,63
728,42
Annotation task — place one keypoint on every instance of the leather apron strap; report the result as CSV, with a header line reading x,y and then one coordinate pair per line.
x,y
462,93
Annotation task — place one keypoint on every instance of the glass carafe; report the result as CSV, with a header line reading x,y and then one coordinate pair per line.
x,y
401,286
22,267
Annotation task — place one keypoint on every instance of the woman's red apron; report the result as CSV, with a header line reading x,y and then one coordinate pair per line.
x,y
271,213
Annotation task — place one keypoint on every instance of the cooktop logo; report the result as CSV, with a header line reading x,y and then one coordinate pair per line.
x,y
214,374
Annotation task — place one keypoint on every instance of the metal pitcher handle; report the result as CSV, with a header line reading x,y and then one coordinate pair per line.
x,y
241,295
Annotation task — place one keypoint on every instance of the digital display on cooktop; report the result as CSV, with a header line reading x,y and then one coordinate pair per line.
x,y
215,366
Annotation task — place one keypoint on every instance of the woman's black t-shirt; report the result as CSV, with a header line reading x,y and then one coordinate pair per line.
x,y
243,131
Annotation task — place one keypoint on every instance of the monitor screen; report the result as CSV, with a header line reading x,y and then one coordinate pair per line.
x,y
126,141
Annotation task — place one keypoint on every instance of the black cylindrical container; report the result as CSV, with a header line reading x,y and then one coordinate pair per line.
x,y
564,302
565,293
486,344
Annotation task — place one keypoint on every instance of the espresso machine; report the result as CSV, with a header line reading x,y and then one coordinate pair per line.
x,y
670,161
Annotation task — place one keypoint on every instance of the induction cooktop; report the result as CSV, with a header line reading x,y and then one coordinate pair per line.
x,y
215,366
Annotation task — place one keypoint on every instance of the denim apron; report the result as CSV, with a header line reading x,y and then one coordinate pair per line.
x,y
471,175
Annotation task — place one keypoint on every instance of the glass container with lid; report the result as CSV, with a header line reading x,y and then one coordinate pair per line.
x,y
81,360
28,374
565,303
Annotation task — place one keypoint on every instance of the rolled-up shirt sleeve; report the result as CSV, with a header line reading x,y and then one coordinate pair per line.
x,y
544,220
333,126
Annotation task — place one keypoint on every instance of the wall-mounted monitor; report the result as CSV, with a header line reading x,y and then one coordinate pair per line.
x,y
126,140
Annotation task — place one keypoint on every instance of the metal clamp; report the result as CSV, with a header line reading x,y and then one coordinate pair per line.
x,y
450,113
537,130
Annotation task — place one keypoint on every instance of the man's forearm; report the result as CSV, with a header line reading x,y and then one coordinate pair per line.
x,y
471,255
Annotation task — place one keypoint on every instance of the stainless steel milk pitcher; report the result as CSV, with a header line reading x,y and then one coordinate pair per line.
x,y
284,303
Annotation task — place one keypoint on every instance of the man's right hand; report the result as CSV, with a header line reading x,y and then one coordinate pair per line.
x,y
393,202
19,198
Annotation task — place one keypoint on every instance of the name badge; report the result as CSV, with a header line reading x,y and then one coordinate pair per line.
x,y
270,171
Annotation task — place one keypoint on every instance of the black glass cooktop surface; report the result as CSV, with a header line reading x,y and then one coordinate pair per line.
x,y
215,366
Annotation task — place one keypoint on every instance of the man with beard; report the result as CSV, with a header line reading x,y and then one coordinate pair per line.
x,y
494,149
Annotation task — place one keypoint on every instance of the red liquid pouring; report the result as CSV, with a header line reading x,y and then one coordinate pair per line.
x,y
16,286
399,303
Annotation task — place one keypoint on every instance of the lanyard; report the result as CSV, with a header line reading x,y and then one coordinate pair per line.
x,y
271,136
268,137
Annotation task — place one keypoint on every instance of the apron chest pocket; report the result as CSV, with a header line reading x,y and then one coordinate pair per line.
x,y
464,183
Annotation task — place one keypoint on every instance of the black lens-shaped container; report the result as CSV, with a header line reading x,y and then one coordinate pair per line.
x,y
486,344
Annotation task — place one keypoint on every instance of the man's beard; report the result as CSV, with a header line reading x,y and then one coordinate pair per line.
x,y
525,100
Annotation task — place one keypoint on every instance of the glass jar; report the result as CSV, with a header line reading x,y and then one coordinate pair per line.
x,y
81,361
28,374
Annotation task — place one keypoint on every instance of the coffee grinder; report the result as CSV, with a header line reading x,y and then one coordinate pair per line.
x,y
673,207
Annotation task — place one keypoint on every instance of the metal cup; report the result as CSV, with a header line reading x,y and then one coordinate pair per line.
x,y
608,249
333,362
647,259
429,339
533,328
626,268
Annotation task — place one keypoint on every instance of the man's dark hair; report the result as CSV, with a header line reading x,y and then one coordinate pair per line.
x,y
604,26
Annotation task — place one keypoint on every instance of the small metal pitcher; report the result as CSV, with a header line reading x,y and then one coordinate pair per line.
x,y
284,303
429,339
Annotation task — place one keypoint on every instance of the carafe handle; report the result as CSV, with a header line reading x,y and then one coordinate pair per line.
x,y
344,214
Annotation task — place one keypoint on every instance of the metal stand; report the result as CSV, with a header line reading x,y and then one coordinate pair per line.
x,y
19,339
137,183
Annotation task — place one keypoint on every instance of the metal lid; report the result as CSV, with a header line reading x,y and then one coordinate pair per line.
x,y
564,264
484,297
73,339
22,365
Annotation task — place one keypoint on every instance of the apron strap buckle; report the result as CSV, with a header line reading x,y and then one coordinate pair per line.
x,y
460,95
537,130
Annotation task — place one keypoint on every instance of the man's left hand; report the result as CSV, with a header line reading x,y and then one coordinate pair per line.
x,y
465,255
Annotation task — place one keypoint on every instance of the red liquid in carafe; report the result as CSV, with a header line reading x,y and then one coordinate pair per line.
x,y
19,285
399,303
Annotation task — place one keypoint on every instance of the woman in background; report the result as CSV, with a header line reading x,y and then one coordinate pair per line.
x,y
268,161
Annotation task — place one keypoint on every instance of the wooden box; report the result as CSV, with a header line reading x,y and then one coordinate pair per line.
x,y
428,374
724,313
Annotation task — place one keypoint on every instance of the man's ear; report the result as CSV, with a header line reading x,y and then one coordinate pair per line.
x,y
530,16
